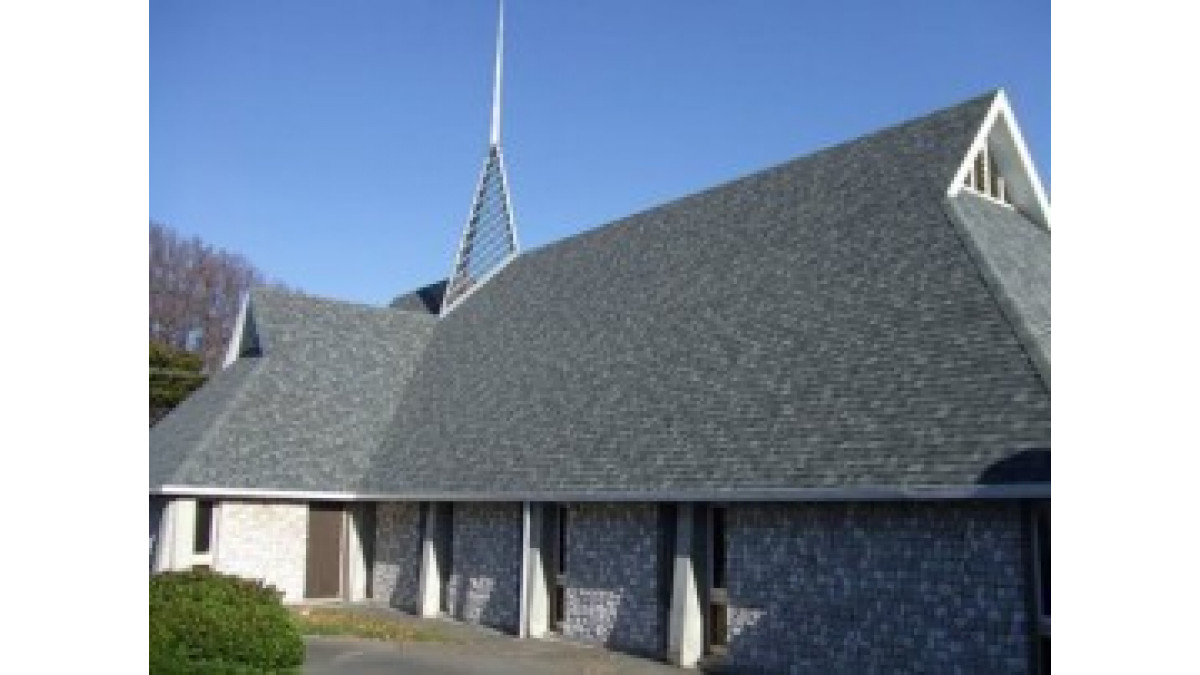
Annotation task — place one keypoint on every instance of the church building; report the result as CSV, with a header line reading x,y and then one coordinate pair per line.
x,y
796,422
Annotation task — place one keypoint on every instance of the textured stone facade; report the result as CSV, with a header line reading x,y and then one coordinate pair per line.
x,y
614,592
485,579
264,540
397,573
878,587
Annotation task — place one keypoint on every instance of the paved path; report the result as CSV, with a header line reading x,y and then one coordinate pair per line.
x,y
354,656
472,650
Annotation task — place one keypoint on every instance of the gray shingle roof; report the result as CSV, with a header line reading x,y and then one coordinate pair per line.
x,y
1014,254
184,429
307,414
827,323
819,324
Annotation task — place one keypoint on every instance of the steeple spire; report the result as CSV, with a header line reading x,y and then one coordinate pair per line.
x,y
499,78
489,239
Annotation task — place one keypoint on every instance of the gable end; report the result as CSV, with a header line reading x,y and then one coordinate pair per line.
x,y
1000,144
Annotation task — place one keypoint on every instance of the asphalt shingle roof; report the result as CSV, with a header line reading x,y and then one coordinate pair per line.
x,y
308,414
819,324
175,437
832,322
1014,254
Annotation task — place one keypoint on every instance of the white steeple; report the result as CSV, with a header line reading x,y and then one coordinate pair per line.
x,y
489,239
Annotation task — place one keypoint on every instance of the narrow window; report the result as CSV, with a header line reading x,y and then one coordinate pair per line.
x,y
1041,540
718,594
980,173
985,182
984,176
1043,530
558,608
667,529
718,534
202,541
562,539
993,188
445,552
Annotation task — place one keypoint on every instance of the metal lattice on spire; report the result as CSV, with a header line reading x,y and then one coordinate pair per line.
x,y
489,239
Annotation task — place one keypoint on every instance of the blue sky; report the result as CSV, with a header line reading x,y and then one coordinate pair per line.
x,y
337,144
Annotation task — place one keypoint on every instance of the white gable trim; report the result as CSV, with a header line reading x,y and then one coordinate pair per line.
x,y
235,342
1008,145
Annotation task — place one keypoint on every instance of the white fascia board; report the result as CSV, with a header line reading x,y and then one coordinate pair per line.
x,y
255,493
857,493
1006,113
235,342
1001,111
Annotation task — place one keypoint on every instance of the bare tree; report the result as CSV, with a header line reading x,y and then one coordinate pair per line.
x,y
195,293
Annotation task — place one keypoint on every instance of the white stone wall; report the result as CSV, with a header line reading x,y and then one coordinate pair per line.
x,y
264,540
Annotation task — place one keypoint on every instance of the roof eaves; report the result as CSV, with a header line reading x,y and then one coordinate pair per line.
x,y
852,493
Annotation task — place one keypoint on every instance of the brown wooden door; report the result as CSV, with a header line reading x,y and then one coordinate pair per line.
x,y
323,578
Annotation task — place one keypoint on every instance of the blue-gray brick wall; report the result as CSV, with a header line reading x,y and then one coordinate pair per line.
x,y
485,579
397,566
612,594
878,588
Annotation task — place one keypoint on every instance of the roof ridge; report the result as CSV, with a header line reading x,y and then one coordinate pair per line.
x,y
778,166
989,95
260,291
270,310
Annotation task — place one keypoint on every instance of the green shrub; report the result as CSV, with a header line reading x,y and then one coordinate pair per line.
x,y
207,622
